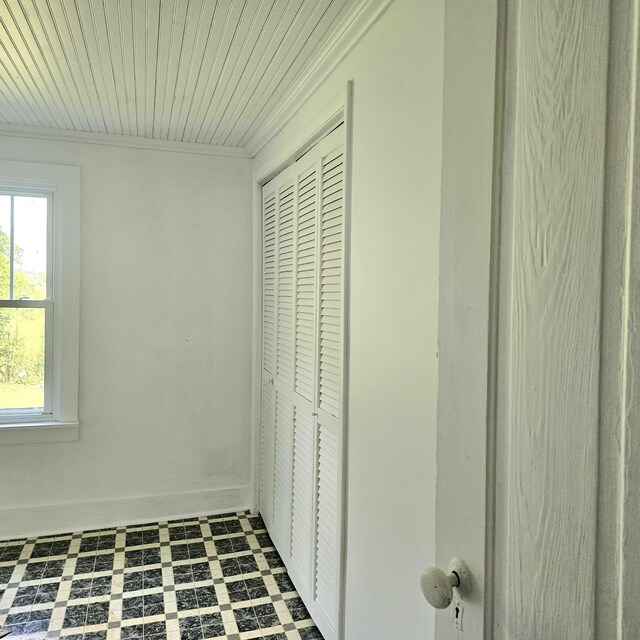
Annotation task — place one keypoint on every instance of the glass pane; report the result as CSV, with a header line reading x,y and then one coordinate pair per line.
x,y
30,251
5,249
22,359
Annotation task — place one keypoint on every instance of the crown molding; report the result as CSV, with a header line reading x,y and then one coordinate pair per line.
x,y
114,140
363,16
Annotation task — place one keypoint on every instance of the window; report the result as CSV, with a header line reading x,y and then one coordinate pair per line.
x,y
39,269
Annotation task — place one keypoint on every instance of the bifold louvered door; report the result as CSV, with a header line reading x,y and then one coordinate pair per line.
x,y
302,464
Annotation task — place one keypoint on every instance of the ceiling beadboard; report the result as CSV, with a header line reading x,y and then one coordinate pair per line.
x,y
198,71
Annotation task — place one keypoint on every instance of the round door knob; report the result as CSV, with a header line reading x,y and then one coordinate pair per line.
x,y
437,586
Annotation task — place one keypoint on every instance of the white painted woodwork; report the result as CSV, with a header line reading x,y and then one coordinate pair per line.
x,y
285,292
465,296
302,464
327,551
303,497
331,281
618,583
269,276
306,255
520,323
198,71
546,471
282,473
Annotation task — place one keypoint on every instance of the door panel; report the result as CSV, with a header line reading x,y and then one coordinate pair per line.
x,y
520,307
303,380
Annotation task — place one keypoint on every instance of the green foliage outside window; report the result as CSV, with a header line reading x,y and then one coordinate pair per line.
x,y
21,335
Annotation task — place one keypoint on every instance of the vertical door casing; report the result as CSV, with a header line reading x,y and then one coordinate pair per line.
x,y
465,298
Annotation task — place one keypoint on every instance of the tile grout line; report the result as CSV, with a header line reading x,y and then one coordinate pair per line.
x,y
216,576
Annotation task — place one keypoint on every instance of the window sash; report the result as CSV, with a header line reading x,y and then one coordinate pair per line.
x,y
61,184
44,193
28,415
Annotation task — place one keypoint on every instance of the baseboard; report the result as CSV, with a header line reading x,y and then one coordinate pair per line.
x,y
23,522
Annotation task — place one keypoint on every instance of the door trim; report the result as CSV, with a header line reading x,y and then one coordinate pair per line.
x,y
617,615
468,298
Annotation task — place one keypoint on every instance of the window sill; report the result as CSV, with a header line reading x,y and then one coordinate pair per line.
x,y
39,432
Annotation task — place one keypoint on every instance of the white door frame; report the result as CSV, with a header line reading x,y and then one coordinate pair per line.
x,y
618,581
513,109
467,324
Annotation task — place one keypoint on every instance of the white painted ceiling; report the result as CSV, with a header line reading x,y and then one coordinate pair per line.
x,y
203,71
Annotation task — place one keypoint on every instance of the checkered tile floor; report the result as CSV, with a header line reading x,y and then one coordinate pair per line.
x,y
209,577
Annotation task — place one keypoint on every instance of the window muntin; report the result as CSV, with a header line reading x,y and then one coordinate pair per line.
x,y
26,305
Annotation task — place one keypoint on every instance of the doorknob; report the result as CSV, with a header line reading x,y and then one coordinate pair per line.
x,y
437,586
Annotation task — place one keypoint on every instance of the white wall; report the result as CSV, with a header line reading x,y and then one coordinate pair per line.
x,y
397,71
165,345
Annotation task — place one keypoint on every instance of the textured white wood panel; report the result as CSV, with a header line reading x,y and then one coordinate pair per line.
x,y
618,582
309,33
209,71
547,456
277,23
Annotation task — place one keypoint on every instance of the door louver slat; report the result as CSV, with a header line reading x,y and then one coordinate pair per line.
x,y
305,286
267,451
269,283
331,270
327,522
285,284
303,480
282,472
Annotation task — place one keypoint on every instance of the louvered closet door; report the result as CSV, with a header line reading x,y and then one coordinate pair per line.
x,y
267,423
329,387
300,567
285,190
303,344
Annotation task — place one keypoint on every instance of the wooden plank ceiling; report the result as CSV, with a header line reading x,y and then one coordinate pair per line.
x,y
206,71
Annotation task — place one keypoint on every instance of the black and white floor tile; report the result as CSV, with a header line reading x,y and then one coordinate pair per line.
x,y
207,577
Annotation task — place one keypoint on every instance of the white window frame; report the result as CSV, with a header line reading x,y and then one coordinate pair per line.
x,y
61,185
